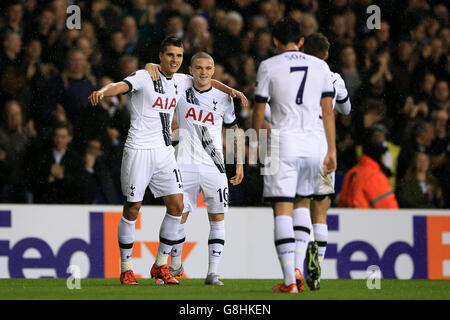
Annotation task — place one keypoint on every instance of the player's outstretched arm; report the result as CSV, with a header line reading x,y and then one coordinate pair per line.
x,y
153,69
230,91
330,163
110,90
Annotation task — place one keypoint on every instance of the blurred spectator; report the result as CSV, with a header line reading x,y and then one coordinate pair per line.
x,y
271,10
366,184
107,122
14,22
383,34
308,24
129,31
116,50
103,189
46,32
263,47
15,137
174,25
58,174
228,45
403,64
11,79
197,37
421,137
34,70
423,91
441,97
70,89
419,188
349,71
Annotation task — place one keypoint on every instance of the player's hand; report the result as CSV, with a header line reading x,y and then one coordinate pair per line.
x,y
239,175
153,70
95,97
330,163
241,96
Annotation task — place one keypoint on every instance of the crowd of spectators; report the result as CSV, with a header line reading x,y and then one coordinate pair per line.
x,y
56,148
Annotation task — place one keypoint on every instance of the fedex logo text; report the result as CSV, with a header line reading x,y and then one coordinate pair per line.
x,y
428,252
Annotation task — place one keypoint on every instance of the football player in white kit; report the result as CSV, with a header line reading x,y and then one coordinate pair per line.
x,y
148,156
201,113
315,207
298,87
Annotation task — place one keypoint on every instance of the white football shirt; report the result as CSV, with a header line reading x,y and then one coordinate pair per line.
x,y
295,83
200,116
152,105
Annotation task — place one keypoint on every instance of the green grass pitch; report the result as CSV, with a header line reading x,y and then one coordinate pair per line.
x,y
234,289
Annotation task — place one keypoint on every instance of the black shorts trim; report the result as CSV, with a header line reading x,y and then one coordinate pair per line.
x,y
279,199
332,196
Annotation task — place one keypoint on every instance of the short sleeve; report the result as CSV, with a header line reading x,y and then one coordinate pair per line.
x,y
136,80
184,81
262,84
327,85
229,116
341,90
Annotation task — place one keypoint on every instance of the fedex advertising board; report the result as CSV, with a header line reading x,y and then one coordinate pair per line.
x,y
42,241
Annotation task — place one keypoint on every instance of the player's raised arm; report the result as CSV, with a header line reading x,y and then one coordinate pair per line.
x,y
109,90
230,91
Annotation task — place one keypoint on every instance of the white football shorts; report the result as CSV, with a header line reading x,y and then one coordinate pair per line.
x,y
156,168
215,191
299,176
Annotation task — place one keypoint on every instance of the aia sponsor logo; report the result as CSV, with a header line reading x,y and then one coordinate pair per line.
x,y
200,116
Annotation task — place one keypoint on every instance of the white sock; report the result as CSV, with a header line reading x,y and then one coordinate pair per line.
x,y
126,231
302,231
321,237
285,246
168,236
216,243
177,249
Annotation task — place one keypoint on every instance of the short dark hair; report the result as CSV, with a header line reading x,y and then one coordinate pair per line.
x,y
64,125
170,41
287,30
316,45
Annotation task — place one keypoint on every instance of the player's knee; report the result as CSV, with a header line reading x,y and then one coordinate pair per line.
x,y
131,211
175,208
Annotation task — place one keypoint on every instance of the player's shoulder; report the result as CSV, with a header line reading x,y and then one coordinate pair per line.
x,y
317,62
220,95
180,76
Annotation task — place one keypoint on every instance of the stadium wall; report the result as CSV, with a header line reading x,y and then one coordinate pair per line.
x,y
43,240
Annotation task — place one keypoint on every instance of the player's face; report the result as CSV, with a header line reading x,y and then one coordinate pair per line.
x,y
171,60
202,70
